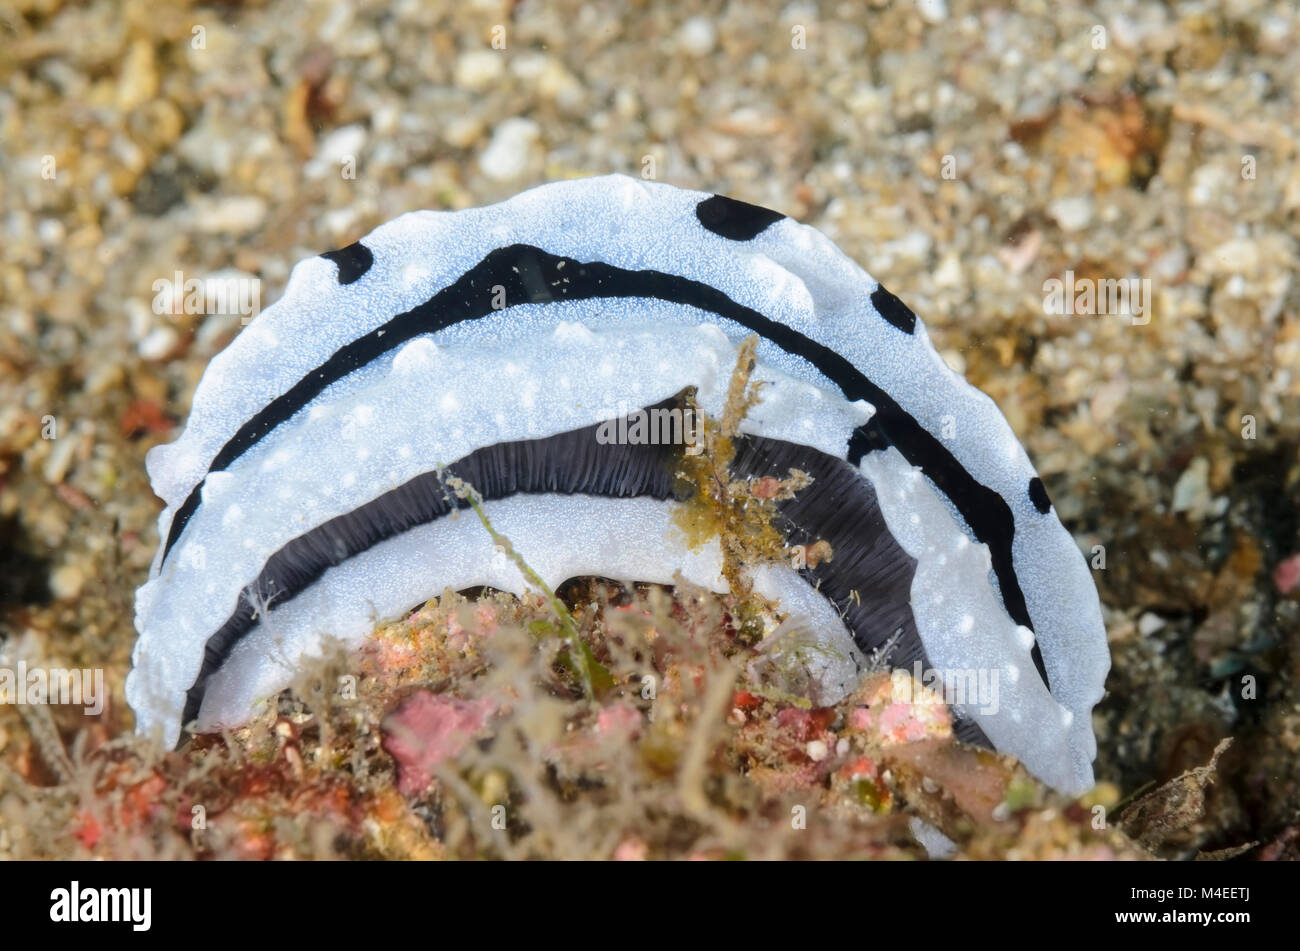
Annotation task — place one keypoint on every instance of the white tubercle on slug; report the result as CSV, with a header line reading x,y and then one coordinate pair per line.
x,y
306,500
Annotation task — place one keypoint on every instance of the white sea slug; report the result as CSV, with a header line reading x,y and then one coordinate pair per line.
x,y
306,497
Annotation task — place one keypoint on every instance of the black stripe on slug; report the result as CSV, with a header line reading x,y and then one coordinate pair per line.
x,y
560,463
841,508
353,261
868,579
532,275
893,309
735,220
1038,495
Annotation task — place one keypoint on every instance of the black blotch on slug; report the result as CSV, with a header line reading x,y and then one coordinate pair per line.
x,y
353,261
893,309
1038,495
736,220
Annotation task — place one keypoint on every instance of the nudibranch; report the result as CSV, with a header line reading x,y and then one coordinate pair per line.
x,y
307,497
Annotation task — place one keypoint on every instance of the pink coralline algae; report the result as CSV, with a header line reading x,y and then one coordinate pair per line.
x,y
620,721
900,710
1287,574
427,729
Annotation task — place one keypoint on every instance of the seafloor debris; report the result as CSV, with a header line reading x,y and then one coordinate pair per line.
x,y
462,731
1166,815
